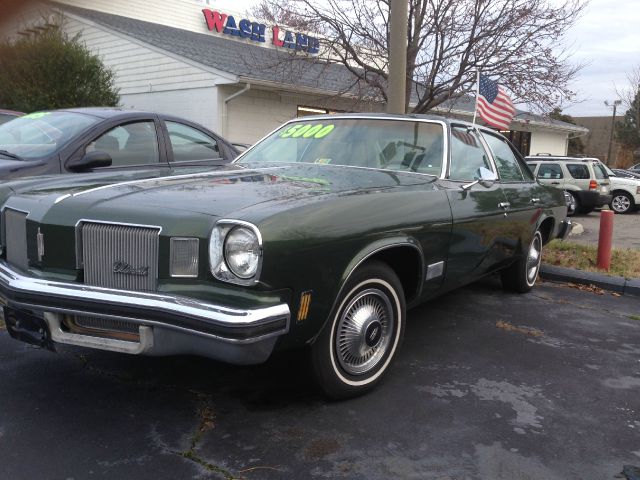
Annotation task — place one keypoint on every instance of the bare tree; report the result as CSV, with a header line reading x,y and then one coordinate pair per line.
x,y
518,41
628,130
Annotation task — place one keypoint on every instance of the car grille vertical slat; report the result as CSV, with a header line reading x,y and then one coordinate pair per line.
x,y
120,256
16,238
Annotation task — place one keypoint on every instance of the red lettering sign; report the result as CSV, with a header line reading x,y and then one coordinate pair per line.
x,y
215,20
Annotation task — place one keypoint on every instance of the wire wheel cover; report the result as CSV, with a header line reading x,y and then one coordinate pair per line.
x,y
365,331
533,259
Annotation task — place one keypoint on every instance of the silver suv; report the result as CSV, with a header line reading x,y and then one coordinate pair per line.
x,y
585,179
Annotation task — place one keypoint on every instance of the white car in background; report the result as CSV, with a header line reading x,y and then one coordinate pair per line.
x,y
625,192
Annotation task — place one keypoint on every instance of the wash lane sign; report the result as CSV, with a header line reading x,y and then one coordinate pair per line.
x,y
227,24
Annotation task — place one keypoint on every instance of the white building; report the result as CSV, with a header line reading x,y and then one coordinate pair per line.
x,y
169,56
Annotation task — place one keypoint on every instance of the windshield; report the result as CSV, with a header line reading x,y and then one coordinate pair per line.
x,y
416,146
41,133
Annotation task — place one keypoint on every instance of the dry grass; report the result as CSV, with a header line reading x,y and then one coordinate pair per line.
x,y
624,262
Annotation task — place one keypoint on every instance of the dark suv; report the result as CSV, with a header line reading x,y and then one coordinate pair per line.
x,y
585,179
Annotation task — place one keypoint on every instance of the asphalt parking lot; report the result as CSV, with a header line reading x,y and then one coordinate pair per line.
x,y
626,229
488,385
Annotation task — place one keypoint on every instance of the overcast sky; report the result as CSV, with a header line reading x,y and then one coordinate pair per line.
x,y
606,38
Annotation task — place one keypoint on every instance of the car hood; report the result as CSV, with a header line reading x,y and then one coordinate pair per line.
x,y
220,192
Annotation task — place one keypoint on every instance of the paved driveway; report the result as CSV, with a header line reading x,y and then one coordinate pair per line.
x,y
487,386
626,229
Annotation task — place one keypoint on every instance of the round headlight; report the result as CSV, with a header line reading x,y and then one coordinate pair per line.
x,y
242,252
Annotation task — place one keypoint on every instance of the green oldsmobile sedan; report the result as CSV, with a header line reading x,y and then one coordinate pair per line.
x,y
321,235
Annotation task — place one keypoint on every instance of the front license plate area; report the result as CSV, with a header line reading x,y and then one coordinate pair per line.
x,y
28,327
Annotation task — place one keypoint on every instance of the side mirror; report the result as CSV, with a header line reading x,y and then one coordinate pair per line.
x,y
484,177
91,160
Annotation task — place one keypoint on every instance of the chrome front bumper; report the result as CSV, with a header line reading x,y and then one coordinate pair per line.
x,y
168,324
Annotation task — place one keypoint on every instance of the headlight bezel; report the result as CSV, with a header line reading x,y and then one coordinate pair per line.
x,y
217,261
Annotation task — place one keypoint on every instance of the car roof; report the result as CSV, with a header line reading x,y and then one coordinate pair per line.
x,y
10,112
557,158
106,112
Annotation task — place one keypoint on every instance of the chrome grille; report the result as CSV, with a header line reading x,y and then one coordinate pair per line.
x,y
16,238
106,324
120,256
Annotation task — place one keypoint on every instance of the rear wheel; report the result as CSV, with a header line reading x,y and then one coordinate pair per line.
x,y
521,276
622,202
356,347
573,205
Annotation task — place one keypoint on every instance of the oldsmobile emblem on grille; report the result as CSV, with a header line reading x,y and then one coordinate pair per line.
x,y
128,269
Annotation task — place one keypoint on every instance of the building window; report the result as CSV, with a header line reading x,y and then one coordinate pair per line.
x,y
306,111
520,140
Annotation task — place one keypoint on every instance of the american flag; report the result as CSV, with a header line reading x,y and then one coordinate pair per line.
x,y
493,104
464,136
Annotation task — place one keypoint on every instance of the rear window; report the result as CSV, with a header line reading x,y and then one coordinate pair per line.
x,y
578,171
599,170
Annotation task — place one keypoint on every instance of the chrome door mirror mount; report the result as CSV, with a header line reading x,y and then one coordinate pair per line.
x,y
484,177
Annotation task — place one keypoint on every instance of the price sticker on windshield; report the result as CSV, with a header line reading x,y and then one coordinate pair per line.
x,y
37,115
307,130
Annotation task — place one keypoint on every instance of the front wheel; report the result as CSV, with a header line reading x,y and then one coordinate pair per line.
x,y
622,202
521,276
357,345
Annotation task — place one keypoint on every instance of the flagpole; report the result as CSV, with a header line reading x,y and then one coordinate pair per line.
x,y
475,107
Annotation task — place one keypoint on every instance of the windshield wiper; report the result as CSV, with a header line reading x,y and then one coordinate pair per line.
x,y
10,155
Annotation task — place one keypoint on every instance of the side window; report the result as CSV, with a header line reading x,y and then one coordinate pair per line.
x,y
129,144
550,171
506,161
599,171
189,143
578,171
467,154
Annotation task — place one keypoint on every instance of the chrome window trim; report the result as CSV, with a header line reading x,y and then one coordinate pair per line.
x,y
78,235
220,270
445,151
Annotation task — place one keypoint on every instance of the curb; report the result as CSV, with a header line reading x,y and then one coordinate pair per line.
x,y
606,282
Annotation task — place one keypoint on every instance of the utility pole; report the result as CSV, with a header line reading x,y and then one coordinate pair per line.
x,y
613,126
397,89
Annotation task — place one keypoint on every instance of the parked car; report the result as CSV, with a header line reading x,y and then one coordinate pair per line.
x,y
320,235
625,192
621,172
585,179
93,139
6,115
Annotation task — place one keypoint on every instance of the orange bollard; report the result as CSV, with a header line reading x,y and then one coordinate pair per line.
x,y
605,238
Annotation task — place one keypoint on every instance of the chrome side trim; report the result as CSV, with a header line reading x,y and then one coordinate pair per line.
x,y
69,298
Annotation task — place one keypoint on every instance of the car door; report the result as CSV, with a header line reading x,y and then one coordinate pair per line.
x,y
551,175
131,144
478,211
189,145
518,185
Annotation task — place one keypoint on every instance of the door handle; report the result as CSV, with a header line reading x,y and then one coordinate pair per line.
x,y
555,183
504,205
